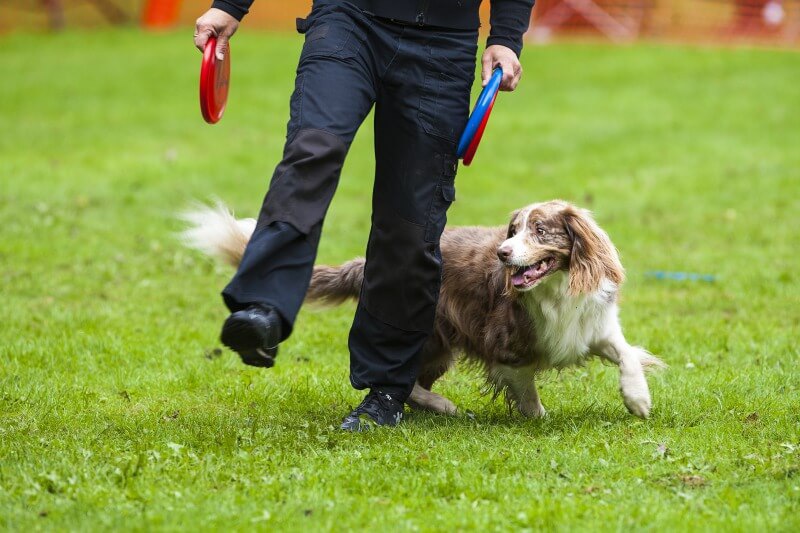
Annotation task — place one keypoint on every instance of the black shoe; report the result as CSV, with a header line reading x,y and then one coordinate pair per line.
x,y
253,333
378,408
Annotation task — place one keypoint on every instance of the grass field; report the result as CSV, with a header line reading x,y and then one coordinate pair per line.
x,y
119,411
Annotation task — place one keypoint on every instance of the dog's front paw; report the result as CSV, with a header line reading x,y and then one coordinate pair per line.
x,y
638,404
635,394
532,409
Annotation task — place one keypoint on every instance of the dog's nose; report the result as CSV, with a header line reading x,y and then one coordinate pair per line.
x,y
503,253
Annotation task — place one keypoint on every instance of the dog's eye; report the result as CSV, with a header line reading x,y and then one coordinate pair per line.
x,y
511,232
540,230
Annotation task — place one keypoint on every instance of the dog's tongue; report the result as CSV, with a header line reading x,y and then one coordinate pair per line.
x,y
529,274
518,278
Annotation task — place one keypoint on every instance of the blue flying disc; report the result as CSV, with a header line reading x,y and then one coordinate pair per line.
x,y
482,107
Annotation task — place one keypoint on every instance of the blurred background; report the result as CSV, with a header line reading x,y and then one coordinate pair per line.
x,y
676,122
776,22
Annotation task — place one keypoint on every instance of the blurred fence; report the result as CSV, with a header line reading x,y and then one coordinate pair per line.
x,y
776,21
56,14
765,21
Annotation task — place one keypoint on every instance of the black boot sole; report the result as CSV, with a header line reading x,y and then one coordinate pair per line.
x,y
246,339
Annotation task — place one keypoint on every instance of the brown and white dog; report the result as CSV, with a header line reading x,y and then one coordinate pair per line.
x,y
538,294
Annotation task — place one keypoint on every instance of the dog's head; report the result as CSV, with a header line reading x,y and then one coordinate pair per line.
x,y
556,236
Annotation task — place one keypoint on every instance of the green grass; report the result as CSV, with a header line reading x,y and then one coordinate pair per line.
x,y
118,412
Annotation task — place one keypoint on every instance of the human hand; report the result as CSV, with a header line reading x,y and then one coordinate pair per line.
x,y
219,24
498,55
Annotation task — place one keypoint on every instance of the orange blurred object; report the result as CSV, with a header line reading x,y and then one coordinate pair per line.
x,y
160,13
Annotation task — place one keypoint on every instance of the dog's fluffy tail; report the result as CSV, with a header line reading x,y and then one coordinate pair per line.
x,y
214,231
334,285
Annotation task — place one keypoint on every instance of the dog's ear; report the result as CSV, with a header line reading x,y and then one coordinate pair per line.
x,y
593,255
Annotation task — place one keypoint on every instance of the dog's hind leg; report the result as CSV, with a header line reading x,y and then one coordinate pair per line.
x,y
436,358
431,372
520,386
426,400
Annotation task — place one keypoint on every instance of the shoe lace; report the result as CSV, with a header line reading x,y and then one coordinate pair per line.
x,y
375,403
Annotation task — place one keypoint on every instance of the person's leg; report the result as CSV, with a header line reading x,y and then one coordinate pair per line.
x,y
334,91
422,106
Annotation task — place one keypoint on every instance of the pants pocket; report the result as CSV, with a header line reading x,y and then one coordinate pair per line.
x,y
444,196
429,115
444,100
330,31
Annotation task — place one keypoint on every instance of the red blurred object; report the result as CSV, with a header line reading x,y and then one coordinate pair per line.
x,y
758,16
767,21
214,82
618,20
160,13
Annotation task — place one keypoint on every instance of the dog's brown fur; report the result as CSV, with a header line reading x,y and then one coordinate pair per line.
x,y
552,320
478,312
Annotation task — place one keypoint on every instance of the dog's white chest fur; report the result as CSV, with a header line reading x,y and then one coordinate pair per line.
x,y
567,326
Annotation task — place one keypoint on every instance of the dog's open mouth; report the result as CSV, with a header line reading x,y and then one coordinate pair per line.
x,y
525,277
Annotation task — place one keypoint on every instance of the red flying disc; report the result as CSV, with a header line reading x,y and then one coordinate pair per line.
x,y
476,140
214,80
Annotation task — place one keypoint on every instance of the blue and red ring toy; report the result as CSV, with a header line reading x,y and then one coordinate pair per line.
x,y
471,138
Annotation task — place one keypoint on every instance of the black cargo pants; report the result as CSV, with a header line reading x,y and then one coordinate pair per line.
x,y
419,80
